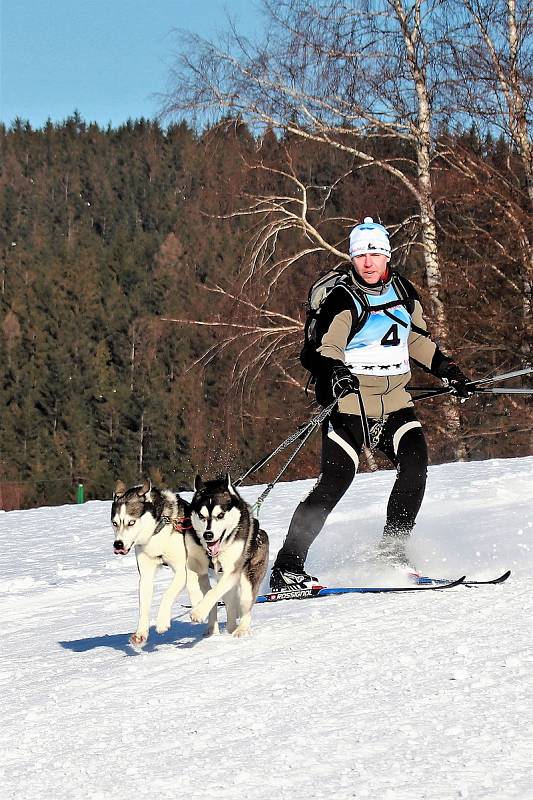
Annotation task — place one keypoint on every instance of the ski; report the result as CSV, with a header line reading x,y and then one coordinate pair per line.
x,y
327,591
425,581
422,583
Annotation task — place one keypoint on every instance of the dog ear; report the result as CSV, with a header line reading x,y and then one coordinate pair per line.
x,y
145,488
229,486
198,483
120,489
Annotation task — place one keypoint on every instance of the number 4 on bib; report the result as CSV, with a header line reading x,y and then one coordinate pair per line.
x,y
391,338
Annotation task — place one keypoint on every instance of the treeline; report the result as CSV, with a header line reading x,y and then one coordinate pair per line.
x,y
106,234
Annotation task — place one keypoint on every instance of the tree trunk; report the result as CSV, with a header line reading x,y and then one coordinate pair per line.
x,y
417,55
141,445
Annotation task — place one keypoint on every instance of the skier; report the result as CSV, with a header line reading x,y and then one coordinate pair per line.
x,y
367,328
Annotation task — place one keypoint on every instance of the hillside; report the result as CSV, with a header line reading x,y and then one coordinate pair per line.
x,y
389,696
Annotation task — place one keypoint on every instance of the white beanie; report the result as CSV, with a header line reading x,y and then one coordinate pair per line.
x,y
369,237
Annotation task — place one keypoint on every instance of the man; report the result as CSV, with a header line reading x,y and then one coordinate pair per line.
x,y
368,328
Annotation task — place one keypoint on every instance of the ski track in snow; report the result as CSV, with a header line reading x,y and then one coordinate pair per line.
x,y
382,696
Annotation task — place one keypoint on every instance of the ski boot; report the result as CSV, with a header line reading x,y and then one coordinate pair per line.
x,y
392,551
287,580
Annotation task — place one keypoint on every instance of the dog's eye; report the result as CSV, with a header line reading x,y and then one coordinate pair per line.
x,y
114,524
132,522
220,516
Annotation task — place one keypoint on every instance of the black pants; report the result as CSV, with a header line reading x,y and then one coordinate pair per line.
x,y
401,440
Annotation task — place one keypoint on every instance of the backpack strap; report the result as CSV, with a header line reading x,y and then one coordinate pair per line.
x,y
408,295
358,320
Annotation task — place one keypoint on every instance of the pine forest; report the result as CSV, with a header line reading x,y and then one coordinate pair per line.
x,y
154,276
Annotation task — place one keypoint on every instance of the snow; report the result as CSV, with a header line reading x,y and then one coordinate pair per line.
x,y
394,696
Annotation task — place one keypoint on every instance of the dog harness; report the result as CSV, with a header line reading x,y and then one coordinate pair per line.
x,y
180,524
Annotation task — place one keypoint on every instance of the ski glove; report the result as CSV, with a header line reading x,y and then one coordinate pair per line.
x,y
457,380
342,380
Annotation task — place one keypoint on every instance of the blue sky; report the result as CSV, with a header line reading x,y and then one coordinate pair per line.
x,y
105,58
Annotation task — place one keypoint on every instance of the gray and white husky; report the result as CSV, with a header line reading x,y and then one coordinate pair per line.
x,y
153,521
226,537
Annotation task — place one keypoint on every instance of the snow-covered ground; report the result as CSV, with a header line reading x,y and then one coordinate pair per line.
x,y
383,696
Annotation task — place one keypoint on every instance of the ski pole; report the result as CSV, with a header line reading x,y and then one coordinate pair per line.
x,y
505,376
429,391
474,389
475,386
502,390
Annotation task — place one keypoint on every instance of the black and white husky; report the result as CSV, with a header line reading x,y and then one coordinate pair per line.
x,y
153,521
226,537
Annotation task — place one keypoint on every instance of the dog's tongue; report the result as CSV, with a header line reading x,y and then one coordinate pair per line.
x,y
213,548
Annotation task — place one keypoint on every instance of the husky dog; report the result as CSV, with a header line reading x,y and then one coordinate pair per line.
x,y
226,536
153,521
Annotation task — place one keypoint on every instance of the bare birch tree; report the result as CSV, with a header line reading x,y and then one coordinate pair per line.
x,y
346,74
362,77
494,58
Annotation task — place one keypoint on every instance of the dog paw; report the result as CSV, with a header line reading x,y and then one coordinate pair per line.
x,y
162,623
138,639
212,630
162,626
198,614
239,632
